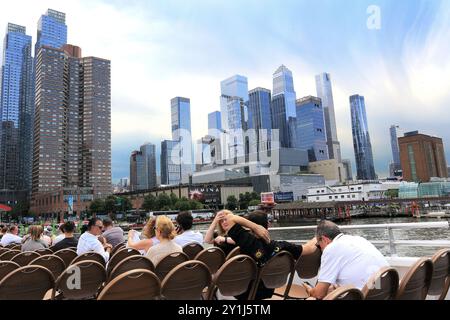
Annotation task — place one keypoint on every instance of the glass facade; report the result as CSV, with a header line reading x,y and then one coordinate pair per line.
x,y
325,93
143,168
361,139
311,128
170,163
16,110
181,131
283,84
214,124
52,30
278,111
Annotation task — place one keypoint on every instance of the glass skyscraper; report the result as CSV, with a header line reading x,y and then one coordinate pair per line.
x,y
143,168
361,139
170,163
181,132
278,112
52,30
214,123
311,128
233,104
260,117
16,110
283,84
395,166
325,93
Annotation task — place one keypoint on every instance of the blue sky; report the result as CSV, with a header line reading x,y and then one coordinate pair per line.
x,y
162,49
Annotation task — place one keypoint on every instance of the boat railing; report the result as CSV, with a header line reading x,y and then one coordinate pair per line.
x,y
392,242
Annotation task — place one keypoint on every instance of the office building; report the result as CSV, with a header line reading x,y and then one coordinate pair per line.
x,y
143,168
361,139
170,163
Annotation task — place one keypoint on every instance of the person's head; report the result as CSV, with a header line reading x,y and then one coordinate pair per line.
x,y
95,226
222,226
149,231
36,232
48,231
107,224
326,232
13,230
68,227
260,218
2,227
61,228
185,221
165,230
83,228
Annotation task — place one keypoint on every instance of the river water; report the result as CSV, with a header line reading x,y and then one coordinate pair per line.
x,y
377,234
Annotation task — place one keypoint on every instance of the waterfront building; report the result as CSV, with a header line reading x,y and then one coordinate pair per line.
x,y
72,128
361,139
259,117
422,157
311,128
325,93
143,168
16,112
182,132
332,170
283,87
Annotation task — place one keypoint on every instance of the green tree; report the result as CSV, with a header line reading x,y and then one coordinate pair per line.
x,y
196,205
255,196
392,193
97,206
173,199
232,203
183,205
111,205
149,203
125,204
163,202
254,203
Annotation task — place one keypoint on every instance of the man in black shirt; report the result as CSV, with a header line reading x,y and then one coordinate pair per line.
x,y
257,244
69,241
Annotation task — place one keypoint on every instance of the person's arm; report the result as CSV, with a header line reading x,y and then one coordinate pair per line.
x,y
98,247
209,237
140,245
320,291
258,230
310,247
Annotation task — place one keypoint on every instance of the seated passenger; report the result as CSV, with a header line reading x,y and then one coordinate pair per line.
x,y
165,233
257,244
11,236
216,234
33,240
185,234
69,240
149,238
113,235
60,235
346,260
47,236
89,240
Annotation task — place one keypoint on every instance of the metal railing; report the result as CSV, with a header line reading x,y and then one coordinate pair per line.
x,y
390,227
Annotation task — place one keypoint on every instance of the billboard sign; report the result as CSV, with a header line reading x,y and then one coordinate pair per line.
x,y
210,194
281,197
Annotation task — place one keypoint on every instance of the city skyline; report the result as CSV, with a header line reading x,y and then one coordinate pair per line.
x,y
401,69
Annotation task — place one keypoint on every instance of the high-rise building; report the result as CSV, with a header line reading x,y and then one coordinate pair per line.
x,y
259,117
395,167
170,163
361,139
283,85
214,124
233,104
422,157
52,30
347,163
311,128
278,112
72,128
16,110
325,93
143,168
181,132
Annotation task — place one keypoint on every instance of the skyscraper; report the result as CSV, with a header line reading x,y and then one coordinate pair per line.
x,y
283,84
16,110
422,157
233,104
52,30
72,129
311,128
170,163
278,112
325,93
361,139
259,117
143,168
395,165
181,132
214,123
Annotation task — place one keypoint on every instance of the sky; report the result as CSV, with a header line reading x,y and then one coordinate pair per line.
x,y
162,49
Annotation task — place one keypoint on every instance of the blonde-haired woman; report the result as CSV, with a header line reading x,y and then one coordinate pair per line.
x,y
216,234
33,240
165,233
150,238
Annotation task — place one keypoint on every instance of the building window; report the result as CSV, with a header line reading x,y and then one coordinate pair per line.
x,y
412,163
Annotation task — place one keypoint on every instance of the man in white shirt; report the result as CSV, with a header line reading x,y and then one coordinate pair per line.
x,y
185,234
346,260
11,237
89,240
